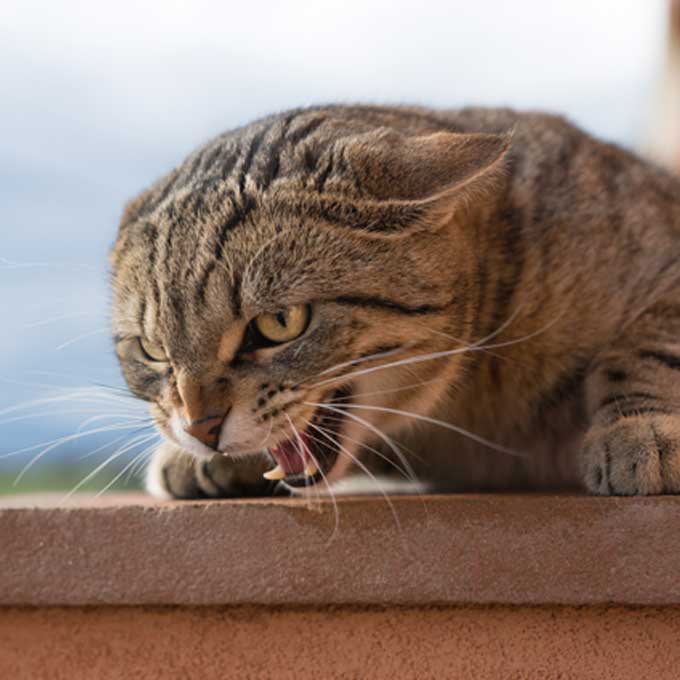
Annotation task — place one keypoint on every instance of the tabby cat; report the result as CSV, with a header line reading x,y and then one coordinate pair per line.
x,y
473,299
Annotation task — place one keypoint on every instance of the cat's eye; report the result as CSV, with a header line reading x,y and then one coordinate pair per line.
x,y
152,351
284,325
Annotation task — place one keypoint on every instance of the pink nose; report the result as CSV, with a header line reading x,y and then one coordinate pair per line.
x,y
206,430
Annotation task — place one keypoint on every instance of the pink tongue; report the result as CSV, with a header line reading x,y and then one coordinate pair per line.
x,y
293,455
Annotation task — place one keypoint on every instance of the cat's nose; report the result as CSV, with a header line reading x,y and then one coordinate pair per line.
x,y
206,430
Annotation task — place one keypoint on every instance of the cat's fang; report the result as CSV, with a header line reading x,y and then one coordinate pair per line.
x,y
311,469
275,474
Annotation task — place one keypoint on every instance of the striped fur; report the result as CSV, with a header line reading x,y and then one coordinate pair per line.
x,y
423,231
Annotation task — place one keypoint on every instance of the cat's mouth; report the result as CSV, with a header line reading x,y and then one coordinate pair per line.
x,y
310,455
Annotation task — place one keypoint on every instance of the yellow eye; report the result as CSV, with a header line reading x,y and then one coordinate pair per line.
x,y
284,325
152,351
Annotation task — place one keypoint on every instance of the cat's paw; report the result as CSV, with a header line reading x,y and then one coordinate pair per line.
x,y
636,455
176,474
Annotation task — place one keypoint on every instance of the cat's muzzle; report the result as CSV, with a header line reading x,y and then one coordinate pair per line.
x,y
309,456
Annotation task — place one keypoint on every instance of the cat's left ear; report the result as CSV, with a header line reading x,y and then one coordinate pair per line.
x,y
430,177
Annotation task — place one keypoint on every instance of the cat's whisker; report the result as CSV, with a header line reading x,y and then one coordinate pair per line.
x,y
128,467
40,455
419,358
80,337
439,423
411,453
361,360
125,417
359,464
6,263
76,396
467,345
45,414
392,352
380,454
54,319
414,481
54,443
108,391
301,446
500,329
142,428
388,440
139,464
121,451
105,446
137,467
378,393
302,449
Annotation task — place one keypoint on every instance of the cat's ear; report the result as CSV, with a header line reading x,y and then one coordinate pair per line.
x,y
429,177
406,183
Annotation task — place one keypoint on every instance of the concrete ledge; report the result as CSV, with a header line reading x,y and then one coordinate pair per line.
x,y
343,642
453,550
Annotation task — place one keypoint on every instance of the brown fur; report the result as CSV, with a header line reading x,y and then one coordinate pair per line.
x,y
417,232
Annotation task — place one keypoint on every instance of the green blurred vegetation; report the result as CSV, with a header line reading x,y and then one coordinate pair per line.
x,y
66,477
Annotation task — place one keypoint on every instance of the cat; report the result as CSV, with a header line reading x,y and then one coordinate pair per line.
x,y
477,299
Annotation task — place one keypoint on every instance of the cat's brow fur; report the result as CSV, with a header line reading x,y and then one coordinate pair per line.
x,y
422,230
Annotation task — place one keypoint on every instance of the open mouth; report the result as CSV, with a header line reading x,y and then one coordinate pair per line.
x,y
307,458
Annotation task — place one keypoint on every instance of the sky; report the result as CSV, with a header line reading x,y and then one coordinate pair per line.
x,y
99,99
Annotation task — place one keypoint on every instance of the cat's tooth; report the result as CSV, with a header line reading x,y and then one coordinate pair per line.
x,y
275,474
311,469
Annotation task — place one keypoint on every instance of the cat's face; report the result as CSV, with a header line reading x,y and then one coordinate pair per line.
x,y
273,292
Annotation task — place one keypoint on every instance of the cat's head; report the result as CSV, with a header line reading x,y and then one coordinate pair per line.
x,y
279,290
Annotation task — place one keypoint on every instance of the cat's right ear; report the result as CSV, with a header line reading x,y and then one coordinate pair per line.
x,y
428,178
406,183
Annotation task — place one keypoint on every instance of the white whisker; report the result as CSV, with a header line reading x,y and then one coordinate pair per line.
x,y
129,466
377,393
62,317
388,440
101,466
359,464
80,337
435,421
137,467
336,510
88,395
45,414
380,454
5,263
412,453
124,417
54,443
361,360
429,357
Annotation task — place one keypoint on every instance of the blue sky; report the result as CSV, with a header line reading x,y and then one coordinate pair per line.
x,y
99,99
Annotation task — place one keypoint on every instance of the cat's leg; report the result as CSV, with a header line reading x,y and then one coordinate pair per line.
x,y
633,398
173,473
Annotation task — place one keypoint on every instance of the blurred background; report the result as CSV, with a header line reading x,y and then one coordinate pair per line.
x,y
99,99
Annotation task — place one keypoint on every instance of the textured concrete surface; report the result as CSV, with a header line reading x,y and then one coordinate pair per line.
x,y
466,643
468,549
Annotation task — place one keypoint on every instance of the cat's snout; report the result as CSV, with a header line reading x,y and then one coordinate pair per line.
x,y
206,430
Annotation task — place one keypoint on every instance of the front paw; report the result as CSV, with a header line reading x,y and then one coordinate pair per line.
x,y
176,474
636,455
